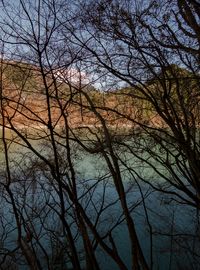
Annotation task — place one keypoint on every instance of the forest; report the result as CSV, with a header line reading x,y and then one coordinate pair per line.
x,y
99,135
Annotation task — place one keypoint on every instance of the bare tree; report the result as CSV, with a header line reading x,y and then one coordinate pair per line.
x,y
42,184
154,50
52,59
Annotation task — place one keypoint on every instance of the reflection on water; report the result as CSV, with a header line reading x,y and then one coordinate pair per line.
x,y
172,224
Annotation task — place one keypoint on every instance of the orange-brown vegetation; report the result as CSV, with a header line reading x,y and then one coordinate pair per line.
x,y
32,97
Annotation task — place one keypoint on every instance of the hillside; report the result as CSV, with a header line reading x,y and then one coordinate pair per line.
x,y
26,93
32,97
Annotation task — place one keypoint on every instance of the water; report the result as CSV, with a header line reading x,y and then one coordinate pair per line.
x,y
35,196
